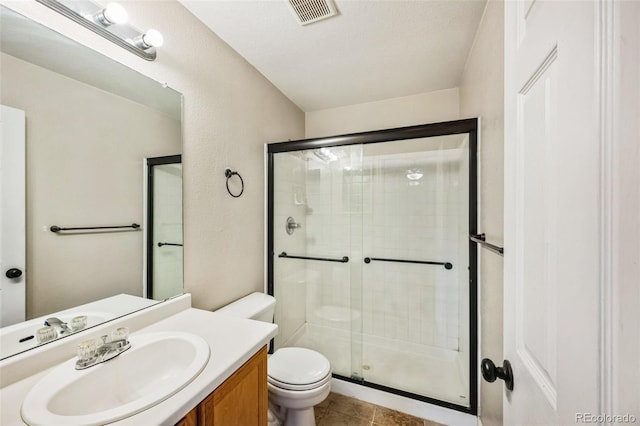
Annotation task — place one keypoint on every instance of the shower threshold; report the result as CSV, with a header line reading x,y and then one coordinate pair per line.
x,y
411,406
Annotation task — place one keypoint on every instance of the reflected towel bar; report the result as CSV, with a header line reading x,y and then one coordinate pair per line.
x,y
447,265
344,259
480,239
55,228
169,244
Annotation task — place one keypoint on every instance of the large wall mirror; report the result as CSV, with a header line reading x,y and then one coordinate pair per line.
x,y
103,148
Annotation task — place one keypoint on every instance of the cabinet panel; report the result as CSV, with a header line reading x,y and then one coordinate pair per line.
x,y
191,419
240,400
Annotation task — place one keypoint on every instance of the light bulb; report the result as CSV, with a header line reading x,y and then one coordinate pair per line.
x,y
152,38
116,14
112,14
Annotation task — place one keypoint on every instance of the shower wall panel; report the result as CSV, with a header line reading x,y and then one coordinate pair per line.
x,y
412,220
329,219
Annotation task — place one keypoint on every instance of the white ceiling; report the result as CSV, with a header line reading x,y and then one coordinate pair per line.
x,y
373,50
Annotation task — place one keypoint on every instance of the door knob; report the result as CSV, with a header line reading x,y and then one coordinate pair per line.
x,y
13,273
490,372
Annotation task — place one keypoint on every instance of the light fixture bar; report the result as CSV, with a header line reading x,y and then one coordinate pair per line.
x,y
121,34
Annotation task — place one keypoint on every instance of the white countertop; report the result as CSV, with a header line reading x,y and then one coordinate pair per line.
x,y
232,341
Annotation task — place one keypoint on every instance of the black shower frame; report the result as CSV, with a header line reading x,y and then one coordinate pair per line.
x,y
455,127
151,163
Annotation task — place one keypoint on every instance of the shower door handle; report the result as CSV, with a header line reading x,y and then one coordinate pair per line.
x,y
490,372
447,265
169,244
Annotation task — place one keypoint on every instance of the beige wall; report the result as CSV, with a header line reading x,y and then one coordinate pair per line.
x,y
481,94
230,111
84,153
417,109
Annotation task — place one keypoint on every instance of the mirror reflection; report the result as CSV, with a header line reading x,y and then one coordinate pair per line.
x,y
81,138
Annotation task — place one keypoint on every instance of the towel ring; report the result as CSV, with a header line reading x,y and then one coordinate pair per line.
x,y
229,174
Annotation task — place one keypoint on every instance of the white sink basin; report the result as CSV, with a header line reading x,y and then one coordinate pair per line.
x,y
155,367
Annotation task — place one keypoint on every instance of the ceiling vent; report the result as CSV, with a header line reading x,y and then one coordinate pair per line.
x,y
308,11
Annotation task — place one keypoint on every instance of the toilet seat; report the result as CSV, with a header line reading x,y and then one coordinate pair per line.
x,y
298,369
291,387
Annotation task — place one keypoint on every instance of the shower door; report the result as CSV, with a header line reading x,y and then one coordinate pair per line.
x,y
415,257
370,259
164,227
316,232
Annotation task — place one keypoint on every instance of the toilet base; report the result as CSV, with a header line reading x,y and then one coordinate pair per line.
x,y
274,415
296,407
304,417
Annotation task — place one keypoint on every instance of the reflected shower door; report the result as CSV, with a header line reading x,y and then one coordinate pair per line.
x,y
317,235
416,266
164,227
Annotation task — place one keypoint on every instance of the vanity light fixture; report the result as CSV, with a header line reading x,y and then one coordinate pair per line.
x,y
110,22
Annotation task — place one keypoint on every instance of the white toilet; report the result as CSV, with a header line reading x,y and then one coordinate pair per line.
x,y
297,378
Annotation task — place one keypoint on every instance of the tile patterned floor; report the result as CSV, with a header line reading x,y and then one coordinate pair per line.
x,y
340,410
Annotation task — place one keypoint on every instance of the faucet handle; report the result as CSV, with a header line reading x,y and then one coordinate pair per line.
x,y
79,322
87,350
46,333
120,333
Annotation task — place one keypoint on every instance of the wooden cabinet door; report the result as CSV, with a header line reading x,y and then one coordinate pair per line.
x,y
241,399
191,419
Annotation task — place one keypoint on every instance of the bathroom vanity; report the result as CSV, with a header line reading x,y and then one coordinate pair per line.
x,y
230,388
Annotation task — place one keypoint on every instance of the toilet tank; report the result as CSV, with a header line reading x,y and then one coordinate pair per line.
x,y
256,306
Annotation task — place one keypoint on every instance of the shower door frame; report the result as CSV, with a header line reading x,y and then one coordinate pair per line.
x,y
468,126
151,162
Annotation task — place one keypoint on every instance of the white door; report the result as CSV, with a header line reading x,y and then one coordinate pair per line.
x,y
12,216
553,210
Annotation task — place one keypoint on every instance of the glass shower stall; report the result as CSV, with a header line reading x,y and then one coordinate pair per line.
x,y
369,256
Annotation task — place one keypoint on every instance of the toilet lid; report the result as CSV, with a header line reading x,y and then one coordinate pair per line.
x,y
298,366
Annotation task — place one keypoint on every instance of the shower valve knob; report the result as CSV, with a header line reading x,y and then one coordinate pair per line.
x,y
292,225
490,372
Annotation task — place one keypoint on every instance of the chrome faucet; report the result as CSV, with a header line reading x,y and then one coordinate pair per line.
x,y
58,324
94,352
